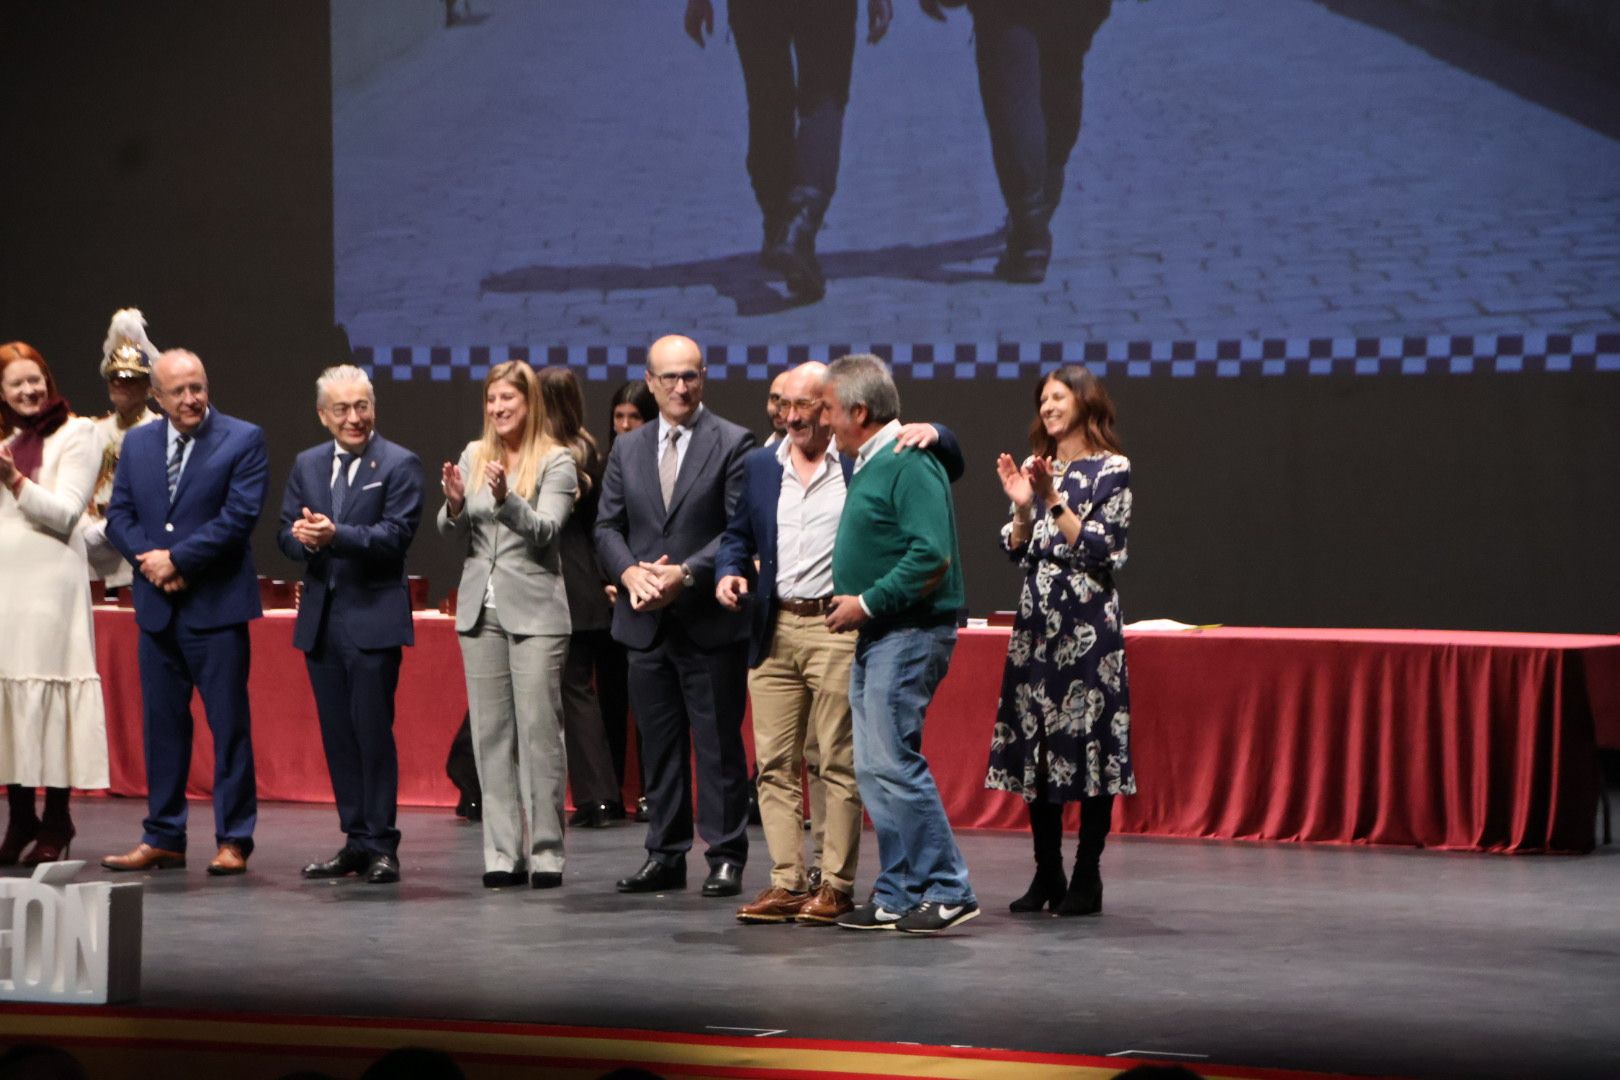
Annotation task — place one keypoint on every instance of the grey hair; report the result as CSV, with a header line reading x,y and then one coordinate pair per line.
x,y
342,374
864,379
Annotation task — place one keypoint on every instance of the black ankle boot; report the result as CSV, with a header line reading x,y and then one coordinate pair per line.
x,y
21,827
1046,827
1085,889
1029,246
795,257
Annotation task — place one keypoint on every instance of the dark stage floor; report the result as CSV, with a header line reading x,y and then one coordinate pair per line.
x,y
1381,962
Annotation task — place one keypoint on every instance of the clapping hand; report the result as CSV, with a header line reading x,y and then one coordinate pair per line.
x,y
454,487
1015,482
1039,472
8,469
495,473
313,530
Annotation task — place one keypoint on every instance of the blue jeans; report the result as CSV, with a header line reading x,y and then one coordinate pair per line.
x,y
893,679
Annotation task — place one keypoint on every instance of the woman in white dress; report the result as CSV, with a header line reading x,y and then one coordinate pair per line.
x,y
53,730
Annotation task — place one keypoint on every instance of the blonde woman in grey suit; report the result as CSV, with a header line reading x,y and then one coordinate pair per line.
x,y
507,500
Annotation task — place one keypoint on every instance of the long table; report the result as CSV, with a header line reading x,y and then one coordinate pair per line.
x,y
1451,740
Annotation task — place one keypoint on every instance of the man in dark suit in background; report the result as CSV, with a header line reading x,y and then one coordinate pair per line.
x,y
194,485
351,509
797,58
668,491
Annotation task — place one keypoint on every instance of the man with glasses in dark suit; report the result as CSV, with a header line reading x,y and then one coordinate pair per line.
x,y
668,492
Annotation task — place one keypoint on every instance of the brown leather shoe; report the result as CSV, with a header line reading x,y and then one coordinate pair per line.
x,y
826,905
146,857
774,905
228,861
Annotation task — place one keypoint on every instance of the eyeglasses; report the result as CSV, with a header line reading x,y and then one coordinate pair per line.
x,y
342,409
669,378
803,404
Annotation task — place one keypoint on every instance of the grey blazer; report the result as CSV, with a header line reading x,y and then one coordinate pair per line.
x,y
516,544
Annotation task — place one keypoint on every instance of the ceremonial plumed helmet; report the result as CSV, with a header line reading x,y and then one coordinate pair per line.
x,y
128,352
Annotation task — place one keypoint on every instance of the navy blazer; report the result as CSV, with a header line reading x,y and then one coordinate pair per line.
x,y
632,526
752,531
363,568
206,530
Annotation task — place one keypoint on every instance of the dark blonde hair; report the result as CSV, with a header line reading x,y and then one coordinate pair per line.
x,y
1096,416
537,440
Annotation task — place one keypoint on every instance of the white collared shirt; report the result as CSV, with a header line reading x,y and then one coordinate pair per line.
x,y
880,438
806,525
172,435
664,428
337,448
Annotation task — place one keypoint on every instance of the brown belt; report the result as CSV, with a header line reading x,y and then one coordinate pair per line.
x,y
819,606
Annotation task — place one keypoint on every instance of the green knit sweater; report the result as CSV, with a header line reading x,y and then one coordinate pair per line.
x,y
896,546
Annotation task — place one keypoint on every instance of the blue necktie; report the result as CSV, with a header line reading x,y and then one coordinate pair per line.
x,y
177,457
340,484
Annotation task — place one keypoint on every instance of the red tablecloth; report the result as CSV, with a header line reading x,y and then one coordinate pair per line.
x,y
1455,740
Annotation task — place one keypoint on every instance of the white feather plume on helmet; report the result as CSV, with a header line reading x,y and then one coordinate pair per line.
x,y
127,351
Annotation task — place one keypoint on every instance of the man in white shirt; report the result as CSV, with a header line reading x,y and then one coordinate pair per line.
x,y
793,497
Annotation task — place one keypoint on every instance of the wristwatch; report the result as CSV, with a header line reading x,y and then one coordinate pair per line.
x,y
687,579
1055,511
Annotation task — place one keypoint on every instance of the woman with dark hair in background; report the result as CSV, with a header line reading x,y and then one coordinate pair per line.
x,y
591,777
506,501
53,729
632,406
1062,729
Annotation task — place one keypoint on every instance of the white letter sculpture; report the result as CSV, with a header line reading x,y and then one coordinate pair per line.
x,y
69,943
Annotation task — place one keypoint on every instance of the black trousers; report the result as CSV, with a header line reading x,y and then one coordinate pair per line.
x,y
689,699
354,698
1031,56
797,56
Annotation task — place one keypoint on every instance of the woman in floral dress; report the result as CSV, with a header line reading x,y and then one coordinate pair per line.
x,y
1063,722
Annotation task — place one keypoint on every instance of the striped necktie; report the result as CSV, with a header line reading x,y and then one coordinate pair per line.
x,y
177,457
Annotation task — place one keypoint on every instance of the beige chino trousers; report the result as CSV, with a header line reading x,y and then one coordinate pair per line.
x,y
803,687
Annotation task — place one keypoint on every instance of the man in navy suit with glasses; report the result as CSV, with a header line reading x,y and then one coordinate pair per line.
x,y
351,509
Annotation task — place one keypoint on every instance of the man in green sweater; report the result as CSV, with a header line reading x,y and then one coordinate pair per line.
x,y
897,580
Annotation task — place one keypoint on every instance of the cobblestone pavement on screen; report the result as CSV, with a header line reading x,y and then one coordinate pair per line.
x,y
571,173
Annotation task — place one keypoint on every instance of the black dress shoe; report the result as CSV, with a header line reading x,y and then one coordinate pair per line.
x,y
346,862
592,816
654,876
724,880
500,879
545,879
384,870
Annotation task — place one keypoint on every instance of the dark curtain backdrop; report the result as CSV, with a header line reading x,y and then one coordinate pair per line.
x,y
178,157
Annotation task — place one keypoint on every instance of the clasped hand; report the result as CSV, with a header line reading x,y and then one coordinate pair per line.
x,y
159,569
653,585
313,530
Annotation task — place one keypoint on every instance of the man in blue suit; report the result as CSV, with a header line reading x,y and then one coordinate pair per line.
x,y
793,498
184,502
666,496
351,509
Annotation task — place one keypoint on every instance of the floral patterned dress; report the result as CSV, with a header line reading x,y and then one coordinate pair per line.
x,y
1064,719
